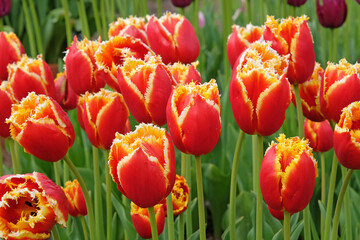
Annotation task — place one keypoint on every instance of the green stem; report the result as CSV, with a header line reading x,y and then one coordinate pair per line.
x,y
86,149
347,207
146,7
182,11
258,189
97,194
65,6
300,115
108,197
97,17
226,31
248,5
112,12
329,204
339,204
347,47
254,159
189,229
57,173
159,7
262,11
324,44
335,44
66,173
1,156
87,197
15,162
181,227
83,18
234,171
124,201
1,24
36,27
170,217
103,20
332,45
154,231
55,233
83,224
323,190
201,205
29,29
286,225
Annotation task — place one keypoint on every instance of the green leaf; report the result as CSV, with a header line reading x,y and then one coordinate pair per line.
x,y
124,217
297,230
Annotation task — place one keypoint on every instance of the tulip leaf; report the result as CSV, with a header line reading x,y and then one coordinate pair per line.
x,y
225,235
124,217
298,228
279,235
195,235
322,209
293,220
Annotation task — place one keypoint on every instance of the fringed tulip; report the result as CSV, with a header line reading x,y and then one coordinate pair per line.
x,y
81,70
75,198
332,13
173,38
6,101
240,39
11,51
30,206
146,86
292,36
185,74
31,75
141,220
112,54
347,137
131,26
193,117
179,196
259,91
42,127
104,114
65,95
287,175
296,3
142,164
319,134
339,87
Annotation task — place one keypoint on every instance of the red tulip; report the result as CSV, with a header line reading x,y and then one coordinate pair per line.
x,y
11,51
131,26
240,39
193,117
287,175
173,38
141,220
104,114
185,74
276,213
5,6
179,196
292,36
65,95
339,87
142,163
81,70
146,87
347,137
296,3
42,127
30,206
259,91
31,75
332,13
75,198
6,101
319,134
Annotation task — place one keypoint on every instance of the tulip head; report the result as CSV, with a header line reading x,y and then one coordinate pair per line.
x,y
259,91
173,38
42,127
75,198
142,164
193,117
287,175
339,79
181,3
347,137
179,195
332,13
6,101
11,51
131,26
296,3
65,95
185,73
30,206
319,134
5,6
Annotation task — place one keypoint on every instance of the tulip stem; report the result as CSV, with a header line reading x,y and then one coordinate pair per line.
x,y
124,202
286,225
170,217
339,204
103,21
97,18
226,31
57,173
108,198
200,194
153,225
159,7
97,193
83,224
189,229
182,215
29,30
248,10
181,226
55,233
1,24
254,158
65,6
83,18
1,156
36,27
258,189
234,171
14,159
87,197
323,190
347,207
66,173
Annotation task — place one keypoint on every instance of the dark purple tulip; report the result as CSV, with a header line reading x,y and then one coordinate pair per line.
x,y
181,3
358,1
332,13
5,6
296,3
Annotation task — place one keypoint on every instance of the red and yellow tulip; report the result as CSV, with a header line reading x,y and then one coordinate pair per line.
x,y
185,73
65,95
6,101
75,198
319,134
131,26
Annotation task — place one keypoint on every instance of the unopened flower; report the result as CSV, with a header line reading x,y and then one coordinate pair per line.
x,y
332,13
75,198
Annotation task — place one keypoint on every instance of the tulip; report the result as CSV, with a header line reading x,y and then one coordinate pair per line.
x,y
65,95
142,164
6,101
131,26
179,196
296,3
185,74
112,54
287,175
201,19
75,198
339,87
240,39
81,70
11,51
346,137
173,38
310,95
146,86
292,36
319,134
104,114
259,91
31,75
30,206
5,6
141,220
181,3
276,213
193,117
42,127
332,13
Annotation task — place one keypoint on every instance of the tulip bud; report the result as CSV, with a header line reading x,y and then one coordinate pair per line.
x,y
142,164
5,6
65,95
185,74
6,101
332,13
30,206
346,137
287,175
42,127
181,3
319,134
11,51
75,198
296,3
173,38
141,220
131,26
